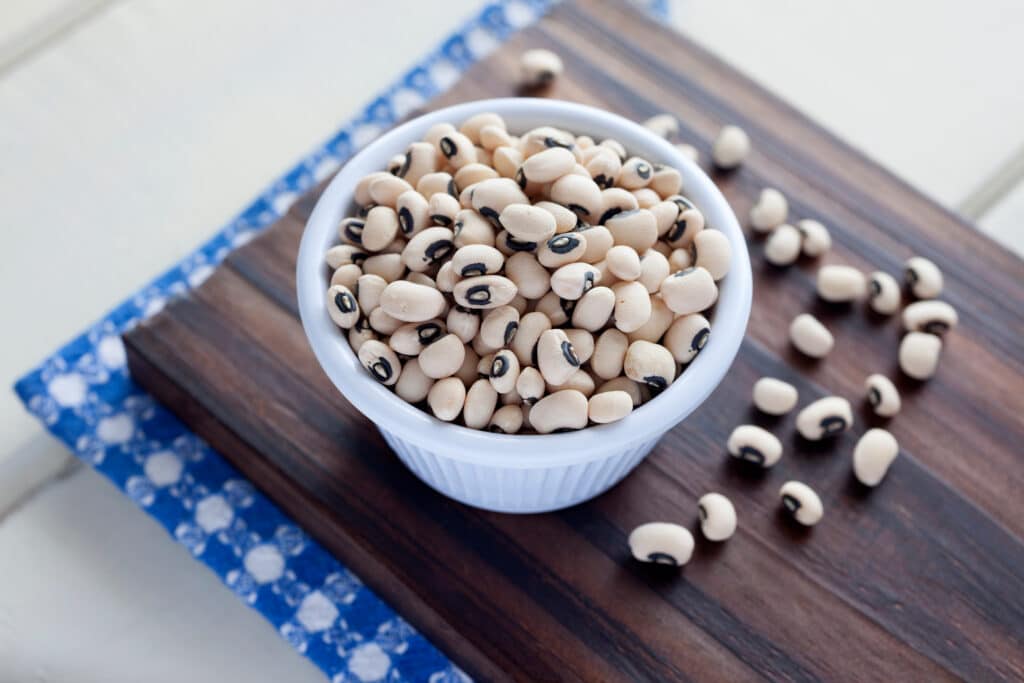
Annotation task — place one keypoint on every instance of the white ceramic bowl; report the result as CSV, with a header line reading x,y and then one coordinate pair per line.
x,y
521,473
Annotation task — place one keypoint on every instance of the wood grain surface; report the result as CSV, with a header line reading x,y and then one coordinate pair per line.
x,y
921,579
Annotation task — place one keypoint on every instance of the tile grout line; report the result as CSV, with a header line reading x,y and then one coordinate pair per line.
x,y
994,188
50,28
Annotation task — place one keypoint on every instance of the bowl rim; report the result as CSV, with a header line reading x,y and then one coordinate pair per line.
x,y
391,413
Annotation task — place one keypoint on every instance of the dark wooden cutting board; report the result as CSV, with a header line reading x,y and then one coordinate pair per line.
x,y
921,579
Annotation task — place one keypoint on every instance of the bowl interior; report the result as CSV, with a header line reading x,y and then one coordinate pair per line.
x,y
390,412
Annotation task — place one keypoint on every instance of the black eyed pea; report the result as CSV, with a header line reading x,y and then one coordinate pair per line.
x,y
385,190
380,228
640,393
493,137
882,395
556,357
561,249
801,502
770,211
507,160
490,197
687,336
666,181
663,125
646,197
717,517
665,213
457,149
637,229
754,444
508,245
443,209
481,347
527,223
481,400
689,291
503,371
345,254
413,386
471,174
883,293
580,381
610,406
582,343
609,354
446,278
484,291
919,354
477,259
649,363
443,358
632,306
923,277
775,397
687,222
604,166
584,142
810,336
530,385
531,327
688,151
437,183
469,371
825,417
872,456
350,230
390,267
574,280
594,309
615,146
635,173
378,358
446,398
730,147
815,239
483,365
580,195
419,160
499,326
599,241
360,333
654,268
614,201
485,158
546,166
841,283
545,137
413,212
657,324
395,246
410,339
428,247
368,290
512,398
623,262
506,420
565,220
561,411
557,310
342,307
474,125
782,248
661,543
381,322
466,196
472,228
932,316
538,68
436,131
712,252
679,259
410,302
346,275
362,191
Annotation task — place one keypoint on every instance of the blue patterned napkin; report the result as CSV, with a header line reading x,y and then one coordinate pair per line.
x,y
85,397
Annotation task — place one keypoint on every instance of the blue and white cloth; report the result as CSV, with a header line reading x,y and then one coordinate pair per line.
x,y
85,397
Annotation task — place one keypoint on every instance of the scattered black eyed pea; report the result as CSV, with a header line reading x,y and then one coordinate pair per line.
x,y
775,397
481,400
381,361
385,190
410,339
546,167
484,291
362,190
346,275
661,543
471,174
609,406
649,363
825,417
463,324
428,247
663,125
380,228
872,456
810,336
770,211
754,444
457,149
538,68
443,208
342,307
654,268
499,326
531,327
413,386
923,277
679,259
666,181
360,333
368,290
932,316
472,228
801,502
565,220
637,229
687,336
919,354
477,259
614,201
712,252
604,166
527,223
623,262
687,222
350,230
594,309
599,241
882,395
446,398
688,151
635,173
582,343
473,127
580,195
503,371
658,322
490,197
883,293
437,183
390,267
717,517
556,357
413,212
506,420
446,278
564,248
632,306
561,411
443,358
493,137
530,385
383,323
572,281
555,308
689,291
815,238
841,283
782,248
344,254
507,160
730,147
419,159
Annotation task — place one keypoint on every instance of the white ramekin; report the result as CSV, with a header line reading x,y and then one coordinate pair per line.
x,y
521,473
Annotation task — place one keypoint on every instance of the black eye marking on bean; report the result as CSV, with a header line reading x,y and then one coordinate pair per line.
x,y
358,257
588,280
552,142
499,366
478,295
457,228
702,512
363,211
569,353
609,214
448,147
510,330
519,245
354,231
568,306
935,327
911,276
833,424
677,231
521,178
874,396
683,203
381,369
405,219
700,339
363,324
656,382
563,244
791,503
404,168
563,430
662,558
578,210
685,271
344,302
751,454
441,219
473,269
603,181
496,429
491,214
438,251
428,333
453,190
643,170
875,286
533,355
